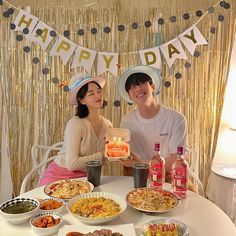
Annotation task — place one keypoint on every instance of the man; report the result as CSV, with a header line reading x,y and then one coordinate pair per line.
x,y
150,122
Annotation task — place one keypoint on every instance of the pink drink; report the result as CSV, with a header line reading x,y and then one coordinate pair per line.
x,y
180,174
157,169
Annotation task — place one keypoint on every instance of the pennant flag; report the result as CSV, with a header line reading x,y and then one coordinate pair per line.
x,y
107,62
64,48
191,38
173,50
151,57
45,38
84,57
25,20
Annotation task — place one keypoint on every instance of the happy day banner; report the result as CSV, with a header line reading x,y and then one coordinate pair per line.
x,y
106,61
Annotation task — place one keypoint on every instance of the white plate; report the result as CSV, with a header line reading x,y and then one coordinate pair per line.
x,y
48,186
95,221
137,192
182,228
125,229
226,170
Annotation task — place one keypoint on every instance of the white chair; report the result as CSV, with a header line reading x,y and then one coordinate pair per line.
x,y
192,174
198,182
39,161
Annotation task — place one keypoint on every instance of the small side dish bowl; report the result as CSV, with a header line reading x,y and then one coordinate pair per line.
x,y
19,210
51,204
46,223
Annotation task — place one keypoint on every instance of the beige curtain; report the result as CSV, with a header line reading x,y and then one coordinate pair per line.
x,y
37,108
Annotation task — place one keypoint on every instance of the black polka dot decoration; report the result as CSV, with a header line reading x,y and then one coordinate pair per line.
x,y
66,33
161,21
25,30
198,13
147,24
130,104
45,71
167,84
187,65
211,9
55,80
197,54
227,5
12,26
135,25
107,29
39,31
35,60
116,103
6,14
19,37
10,11
80,32
26,49
186,16
173,19
221,18
94,31
213,30
66,88
178,75
121,27
53,33
222,3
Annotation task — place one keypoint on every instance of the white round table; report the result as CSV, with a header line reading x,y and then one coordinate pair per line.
x,y
201,216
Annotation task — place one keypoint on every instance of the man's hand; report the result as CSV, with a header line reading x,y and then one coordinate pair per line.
x,y
131,160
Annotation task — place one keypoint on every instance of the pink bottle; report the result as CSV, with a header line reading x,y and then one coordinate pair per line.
x,y
180,174
157,169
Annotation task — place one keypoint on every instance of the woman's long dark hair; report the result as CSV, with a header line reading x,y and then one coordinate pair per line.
x,y
82,110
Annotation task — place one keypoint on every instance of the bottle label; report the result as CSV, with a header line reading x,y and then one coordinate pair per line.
x,y
180,178
156,175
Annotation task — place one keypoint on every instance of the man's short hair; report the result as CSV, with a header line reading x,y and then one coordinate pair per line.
x,y
137,79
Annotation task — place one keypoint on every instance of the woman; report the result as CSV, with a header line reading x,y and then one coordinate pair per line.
x,y
84,138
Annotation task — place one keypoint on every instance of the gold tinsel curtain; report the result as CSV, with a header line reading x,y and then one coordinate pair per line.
x,y
37,108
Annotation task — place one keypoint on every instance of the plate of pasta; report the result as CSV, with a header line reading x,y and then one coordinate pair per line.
x,y
152,200
165,226
68,188
96,207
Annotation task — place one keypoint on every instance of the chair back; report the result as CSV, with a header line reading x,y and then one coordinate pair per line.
x,y
40,155
191,157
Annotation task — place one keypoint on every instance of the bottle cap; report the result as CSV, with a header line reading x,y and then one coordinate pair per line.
x,y
157,147
180,150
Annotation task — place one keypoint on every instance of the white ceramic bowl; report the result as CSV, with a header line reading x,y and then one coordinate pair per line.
x,y
95,221
19,218
47,205
182,228
48,230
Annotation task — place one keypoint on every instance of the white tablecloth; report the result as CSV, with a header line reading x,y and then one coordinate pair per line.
x,y
221,190
202,216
